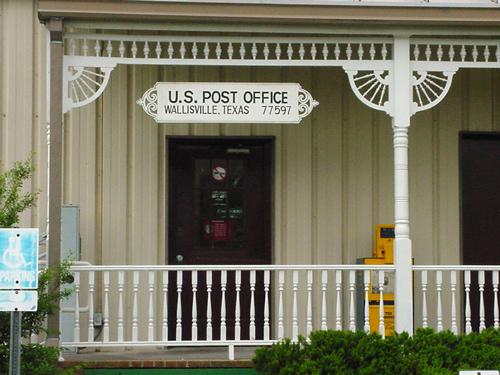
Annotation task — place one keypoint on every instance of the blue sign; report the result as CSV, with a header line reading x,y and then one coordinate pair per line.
x,y
18,300
18,258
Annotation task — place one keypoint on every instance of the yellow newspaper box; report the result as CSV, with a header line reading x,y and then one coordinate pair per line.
x,y
384,243
383,253
374,299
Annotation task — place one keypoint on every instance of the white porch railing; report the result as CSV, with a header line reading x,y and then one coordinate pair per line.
x,y
218,305
457,298
258,305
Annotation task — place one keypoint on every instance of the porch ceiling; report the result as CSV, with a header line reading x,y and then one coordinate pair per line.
x,y
155,11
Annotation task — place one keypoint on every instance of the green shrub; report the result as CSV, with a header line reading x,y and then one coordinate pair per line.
x,y
353,353
35,359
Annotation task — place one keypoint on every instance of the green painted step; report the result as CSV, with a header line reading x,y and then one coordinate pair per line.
x,y
167,371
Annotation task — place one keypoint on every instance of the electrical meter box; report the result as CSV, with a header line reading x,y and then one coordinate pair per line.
x,y
383,253
70,232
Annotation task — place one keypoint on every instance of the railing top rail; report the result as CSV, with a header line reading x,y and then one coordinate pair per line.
x,y
456,268
278,267
230,38
246,267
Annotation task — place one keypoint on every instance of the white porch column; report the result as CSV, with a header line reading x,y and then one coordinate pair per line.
x,y
401,99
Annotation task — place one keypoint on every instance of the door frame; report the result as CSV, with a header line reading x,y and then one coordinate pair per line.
x,y
463,135
209,139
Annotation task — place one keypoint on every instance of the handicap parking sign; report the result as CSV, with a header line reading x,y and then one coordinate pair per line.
x,y
18,300
18,258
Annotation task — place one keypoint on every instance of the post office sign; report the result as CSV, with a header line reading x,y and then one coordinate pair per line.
x,y
223,102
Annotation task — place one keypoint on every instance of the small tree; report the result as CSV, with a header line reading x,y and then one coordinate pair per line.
x,y
12,199
37,359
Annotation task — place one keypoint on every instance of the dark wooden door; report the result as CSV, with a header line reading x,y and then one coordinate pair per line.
x,y
219,214
480,176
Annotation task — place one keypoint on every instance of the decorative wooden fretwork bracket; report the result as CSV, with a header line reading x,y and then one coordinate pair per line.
x,y
306,103
372,88
368,61
84,83
149,102
430,88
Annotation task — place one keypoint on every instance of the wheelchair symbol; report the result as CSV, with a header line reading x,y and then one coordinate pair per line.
x,y
12,256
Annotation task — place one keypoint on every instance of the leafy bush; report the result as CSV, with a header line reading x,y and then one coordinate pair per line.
x,y
353,353
36,360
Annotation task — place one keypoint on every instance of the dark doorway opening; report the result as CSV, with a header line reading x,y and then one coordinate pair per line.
x,y
219,213
480,212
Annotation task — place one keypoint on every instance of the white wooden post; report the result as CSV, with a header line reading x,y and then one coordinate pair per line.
x,y
324,284
77,308
366,283
178,325
237,311
223,282
381,311
209,305
453,282
352,312
90,337
194,308
401,96
338,310
121,287
439,282
164,321
151,312
252,304
281,287
309,325
106,308
135,311
468,324
295,321
424,300
267,280
482,324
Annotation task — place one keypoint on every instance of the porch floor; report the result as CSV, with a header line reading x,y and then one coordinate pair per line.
x,y
176,357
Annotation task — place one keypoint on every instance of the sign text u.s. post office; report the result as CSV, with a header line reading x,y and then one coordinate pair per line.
x,y
222,102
